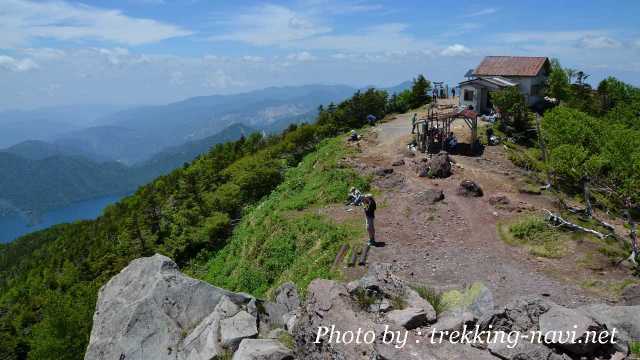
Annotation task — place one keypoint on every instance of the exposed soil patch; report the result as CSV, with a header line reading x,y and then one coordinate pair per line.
x,y
454,242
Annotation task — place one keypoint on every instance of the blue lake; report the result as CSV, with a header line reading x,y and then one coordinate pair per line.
x,y
15,225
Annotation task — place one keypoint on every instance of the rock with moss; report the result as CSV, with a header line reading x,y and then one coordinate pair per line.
x,y
476,299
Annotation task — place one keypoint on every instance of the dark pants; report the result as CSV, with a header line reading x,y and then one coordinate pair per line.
x,y
371,229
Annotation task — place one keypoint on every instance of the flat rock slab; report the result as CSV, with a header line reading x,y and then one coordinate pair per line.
x,y
262,349
233,330
409,318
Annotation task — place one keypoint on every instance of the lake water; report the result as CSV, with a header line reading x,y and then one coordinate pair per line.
x,y
13,226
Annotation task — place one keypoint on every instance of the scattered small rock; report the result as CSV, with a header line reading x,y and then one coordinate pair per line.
x,y
429,196
383,171
469,188
398,162
499,199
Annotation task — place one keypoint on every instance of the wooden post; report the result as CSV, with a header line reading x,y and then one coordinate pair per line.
x,y
588,211
355,251
633,233
341,253
363,258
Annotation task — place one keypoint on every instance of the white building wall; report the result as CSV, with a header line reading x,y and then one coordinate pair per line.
x,y
528,84
474,101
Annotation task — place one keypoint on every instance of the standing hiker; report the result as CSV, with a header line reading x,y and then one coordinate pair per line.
x,y
369,214
413,123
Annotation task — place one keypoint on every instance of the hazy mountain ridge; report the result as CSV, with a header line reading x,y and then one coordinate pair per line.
x,y
38,175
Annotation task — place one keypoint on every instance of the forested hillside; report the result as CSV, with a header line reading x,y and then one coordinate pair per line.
x,y
49,279
59,180
39,176
592,136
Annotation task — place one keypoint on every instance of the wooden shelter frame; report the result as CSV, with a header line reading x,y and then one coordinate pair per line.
x,y
433,130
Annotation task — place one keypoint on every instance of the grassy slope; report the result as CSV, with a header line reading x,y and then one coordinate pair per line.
x,y
283,238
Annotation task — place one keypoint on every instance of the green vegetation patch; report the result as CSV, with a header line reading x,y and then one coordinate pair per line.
x,y
456,299
270,246
433,297
536,235
634,348
608,287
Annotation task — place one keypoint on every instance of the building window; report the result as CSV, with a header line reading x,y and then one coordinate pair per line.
x,y
468,95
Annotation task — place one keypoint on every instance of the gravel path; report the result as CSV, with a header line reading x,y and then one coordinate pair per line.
x,y
454,242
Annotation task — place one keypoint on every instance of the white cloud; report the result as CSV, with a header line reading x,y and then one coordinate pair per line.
x,y
455,50
16,65
302,56
547,37
220,80
380,38
22,21
483,12
271,25
598,42
253,59
44,53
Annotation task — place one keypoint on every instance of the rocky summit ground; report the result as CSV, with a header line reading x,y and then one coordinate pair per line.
x,y
455,242
433,239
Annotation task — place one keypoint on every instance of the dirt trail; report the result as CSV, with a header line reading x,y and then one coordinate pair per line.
x,y
455,242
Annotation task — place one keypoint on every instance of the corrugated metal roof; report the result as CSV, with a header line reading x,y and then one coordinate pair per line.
x,y
499,80
511,66
494,82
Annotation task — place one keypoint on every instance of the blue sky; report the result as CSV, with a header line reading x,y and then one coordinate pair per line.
x,y
157,51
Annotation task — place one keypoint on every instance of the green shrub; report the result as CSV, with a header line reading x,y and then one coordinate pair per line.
x,y
432,296
364,298
634,349
536,235
398,302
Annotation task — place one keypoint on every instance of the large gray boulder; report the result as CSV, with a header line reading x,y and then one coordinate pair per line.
x,y
262,349
330,304
149,308
562,320
625,319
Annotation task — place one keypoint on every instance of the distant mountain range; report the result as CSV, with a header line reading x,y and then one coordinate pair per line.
x,y
37,175
47,123
136,134
72,153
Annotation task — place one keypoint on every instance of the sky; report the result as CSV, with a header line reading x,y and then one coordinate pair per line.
x,y
159,51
